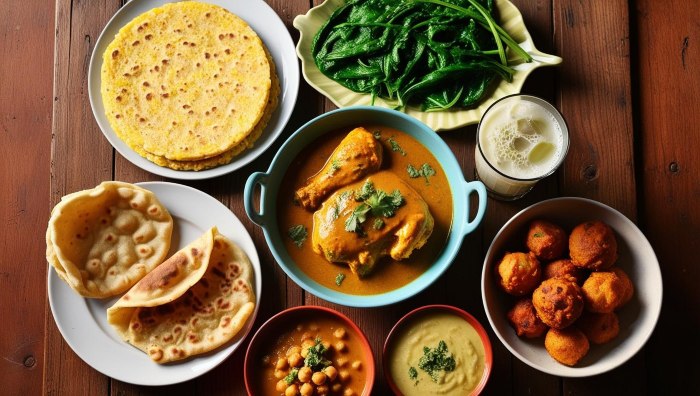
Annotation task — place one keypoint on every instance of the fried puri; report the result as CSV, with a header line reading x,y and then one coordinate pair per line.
x,y
518,273
599,328
524,319
558,302
567,346
546,240
564,267
592,245
607,291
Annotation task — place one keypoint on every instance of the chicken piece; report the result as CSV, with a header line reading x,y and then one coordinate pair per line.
x,y
357,155
342,234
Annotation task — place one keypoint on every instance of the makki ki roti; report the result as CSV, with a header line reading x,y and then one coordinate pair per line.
x,y
194,302
186,81
101,241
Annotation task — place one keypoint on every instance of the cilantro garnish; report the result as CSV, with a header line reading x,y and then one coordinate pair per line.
x,y
412,373
435,360
378,224
376,203
395,146
289,379
298,234
425,171
335,166
315,359
339,279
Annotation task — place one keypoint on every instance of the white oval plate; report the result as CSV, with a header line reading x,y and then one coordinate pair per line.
x,y
511,22
83,321
273,33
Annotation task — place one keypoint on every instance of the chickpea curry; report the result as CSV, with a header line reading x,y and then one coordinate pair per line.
x,y
365,210
319,356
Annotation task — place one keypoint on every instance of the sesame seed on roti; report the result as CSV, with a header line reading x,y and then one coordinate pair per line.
x,y
186,81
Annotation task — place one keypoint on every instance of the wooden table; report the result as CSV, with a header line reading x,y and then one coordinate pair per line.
x,y
628,87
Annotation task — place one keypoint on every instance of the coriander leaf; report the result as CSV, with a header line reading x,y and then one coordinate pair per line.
x,y
298,234
315,358
339,279
435,360
378,224
395,146
335,166
427,170
412,171
412,373
366,190
289,379
357,217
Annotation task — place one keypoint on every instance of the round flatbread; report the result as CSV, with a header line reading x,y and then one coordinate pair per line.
x,y
101,241
196,301
185,81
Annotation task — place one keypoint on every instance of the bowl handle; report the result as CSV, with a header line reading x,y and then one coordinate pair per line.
x,y
480,190
248,196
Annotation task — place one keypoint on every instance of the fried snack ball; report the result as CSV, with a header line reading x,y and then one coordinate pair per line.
x,y
599,328
567,346
564,267
524,319
606,291
592,245
558,302
546,240
518,273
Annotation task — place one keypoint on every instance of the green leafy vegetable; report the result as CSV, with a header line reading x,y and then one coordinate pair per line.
x,y
298,234
339,279
289,379
395,146
335,166
376,203
434,54
425,171
412,373
315,358
435,360
378,224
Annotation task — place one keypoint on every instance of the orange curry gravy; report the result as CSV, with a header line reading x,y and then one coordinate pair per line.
x,y
388,274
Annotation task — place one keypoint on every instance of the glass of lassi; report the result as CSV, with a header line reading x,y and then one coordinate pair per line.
x,y
521,139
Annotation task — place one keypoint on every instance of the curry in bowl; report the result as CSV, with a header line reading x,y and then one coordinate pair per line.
x,y
365,209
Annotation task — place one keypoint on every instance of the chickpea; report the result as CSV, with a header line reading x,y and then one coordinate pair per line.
x,y
331,372
292,390
340,346
279,374
304,374
281,386
348,392
281,364
342,362
293,350
356,364
306,336
308,343
337,387
322,390
344,375
319,378
295,360
306,389
339,333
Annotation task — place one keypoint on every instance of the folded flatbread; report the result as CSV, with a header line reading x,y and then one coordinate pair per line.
x,y
194,302
101,241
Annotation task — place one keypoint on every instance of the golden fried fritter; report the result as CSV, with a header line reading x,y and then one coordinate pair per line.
x,y
518,273
558,302
606,291
592,245
599,328
564,267
567,346
524,319
546,240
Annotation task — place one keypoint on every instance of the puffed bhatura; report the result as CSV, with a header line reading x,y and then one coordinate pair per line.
x,y
558,302
519,273
599,328
546,240
592,245
607,291
524,319
564,267
567,346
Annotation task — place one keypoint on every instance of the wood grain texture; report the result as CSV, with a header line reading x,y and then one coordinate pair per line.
x,y
669,96
25,130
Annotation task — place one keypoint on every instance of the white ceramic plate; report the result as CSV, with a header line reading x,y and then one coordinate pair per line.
x,y
83,321
273,33
635,256
511,22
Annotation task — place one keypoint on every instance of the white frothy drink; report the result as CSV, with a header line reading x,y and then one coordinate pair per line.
x,y
521,139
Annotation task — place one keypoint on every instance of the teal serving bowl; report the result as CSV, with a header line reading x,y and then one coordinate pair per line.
x,y
264,213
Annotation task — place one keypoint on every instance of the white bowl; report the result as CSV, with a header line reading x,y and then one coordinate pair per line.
x,y
636,257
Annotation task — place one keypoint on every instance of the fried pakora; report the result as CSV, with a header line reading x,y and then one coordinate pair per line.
x,y
564,267
567,346
592,245
546,240
599,328
524,319
518,273
606,291
558,302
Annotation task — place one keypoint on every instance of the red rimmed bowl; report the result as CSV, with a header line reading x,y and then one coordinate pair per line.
x,y
287,329
426,326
